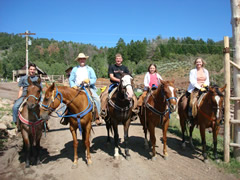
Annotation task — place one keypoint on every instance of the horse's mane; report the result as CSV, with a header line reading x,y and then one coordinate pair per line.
x,y
35,83
216,87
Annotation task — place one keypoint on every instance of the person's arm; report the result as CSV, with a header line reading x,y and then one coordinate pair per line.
x,y
114,78
72,78
146,80
20,92
92,76
207,78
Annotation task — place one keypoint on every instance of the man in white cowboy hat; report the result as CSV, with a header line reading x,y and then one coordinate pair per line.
x,y
85,74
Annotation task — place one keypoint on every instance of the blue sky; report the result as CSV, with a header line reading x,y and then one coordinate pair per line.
x,y
103,22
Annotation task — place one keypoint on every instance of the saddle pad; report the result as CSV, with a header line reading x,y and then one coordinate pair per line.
x,y
112,92
200,98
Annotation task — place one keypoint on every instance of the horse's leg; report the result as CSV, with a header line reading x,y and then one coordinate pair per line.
x,y
75,145
202,132
165,128
151,129
190,138
116,139
27,147
183,128
215,133
108,126
146,144
126,127
87,142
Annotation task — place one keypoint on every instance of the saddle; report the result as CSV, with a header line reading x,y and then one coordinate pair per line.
x,y
195,100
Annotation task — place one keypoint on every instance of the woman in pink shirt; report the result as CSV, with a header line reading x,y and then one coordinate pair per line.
x,y
152,78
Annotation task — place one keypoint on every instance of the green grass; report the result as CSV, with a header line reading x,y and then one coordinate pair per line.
x,y
232,167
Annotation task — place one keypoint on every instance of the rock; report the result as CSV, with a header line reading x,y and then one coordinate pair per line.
x,y
3,126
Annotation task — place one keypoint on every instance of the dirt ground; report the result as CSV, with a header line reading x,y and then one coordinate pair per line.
x,y
57,156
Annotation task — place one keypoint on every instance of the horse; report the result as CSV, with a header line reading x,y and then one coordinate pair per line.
x,y
119,111
79,107
209,114
155,111
30,124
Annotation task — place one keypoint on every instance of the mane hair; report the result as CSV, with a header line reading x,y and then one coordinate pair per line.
x,y
35,83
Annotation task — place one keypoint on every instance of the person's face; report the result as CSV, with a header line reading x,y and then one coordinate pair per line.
x,y
118,60
152,69
199,63
31,71
82,61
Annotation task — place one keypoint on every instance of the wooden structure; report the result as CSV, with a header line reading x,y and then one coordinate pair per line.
x,y
228,121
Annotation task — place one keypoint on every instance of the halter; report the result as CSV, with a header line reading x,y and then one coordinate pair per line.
x,y
77,116
150,107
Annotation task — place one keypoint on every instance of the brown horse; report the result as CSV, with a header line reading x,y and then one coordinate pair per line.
x,y
119,111
156,111
209,114
79,106
30,124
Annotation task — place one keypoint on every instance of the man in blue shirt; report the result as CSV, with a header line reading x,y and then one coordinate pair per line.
x,y
86,75
23,85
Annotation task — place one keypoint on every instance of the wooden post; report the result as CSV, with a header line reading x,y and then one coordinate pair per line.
x,y
235,7
227,100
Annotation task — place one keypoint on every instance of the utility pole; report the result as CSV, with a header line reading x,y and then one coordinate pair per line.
x,y
27,34
235,7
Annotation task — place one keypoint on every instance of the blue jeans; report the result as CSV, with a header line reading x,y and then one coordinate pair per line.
x,y
15,108
96,100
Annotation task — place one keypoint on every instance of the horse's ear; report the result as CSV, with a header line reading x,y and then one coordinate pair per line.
x,y
47,86
39,80
162,82
29,81
52,86
223,88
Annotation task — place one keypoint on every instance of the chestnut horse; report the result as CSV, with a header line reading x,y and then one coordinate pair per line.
x,y
79,106
119,111
30,124
209,114
155,111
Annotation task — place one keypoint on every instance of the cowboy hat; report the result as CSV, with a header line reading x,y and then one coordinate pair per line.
x,y
82,56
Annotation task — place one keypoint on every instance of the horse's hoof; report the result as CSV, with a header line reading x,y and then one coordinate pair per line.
x,y
74,166
128,158
165,157
192,146
154,158
206,161
27,166
116,157
89,162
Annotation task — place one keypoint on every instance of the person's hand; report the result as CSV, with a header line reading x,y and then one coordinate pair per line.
x,y
204,85
86,81
75,87
203,89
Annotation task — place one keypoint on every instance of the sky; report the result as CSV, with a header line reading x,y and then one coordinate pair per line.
x,y
103,22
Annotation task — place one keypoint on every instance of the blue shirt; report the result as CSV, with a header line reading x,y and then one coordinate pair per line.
x,y
23,82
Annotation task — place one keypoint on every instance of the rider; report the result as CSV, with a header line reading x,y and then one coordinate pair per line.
x,y
23,85
199,80
114,72
151,79
84,74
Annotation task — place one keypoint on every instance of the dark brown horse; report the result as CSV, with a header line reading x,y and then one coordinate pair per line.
x,y
156,111
80,107
209,114
30,123
119,111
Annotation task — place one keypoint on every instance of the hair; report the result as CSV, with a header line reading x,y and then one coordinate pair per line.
x,y
118,55
154,66
203,62
33,65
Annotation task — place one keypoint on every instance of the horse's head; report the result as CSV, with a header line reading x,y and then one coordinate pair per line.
x,y
125,86
50,102
216,95
169,90
33,93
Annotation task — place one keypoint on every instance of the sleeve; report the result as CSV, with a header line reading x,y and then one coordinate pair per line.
x,y
110,70
193,79
146,80
159,77
126,70
72,77
207,80
92,76
20,83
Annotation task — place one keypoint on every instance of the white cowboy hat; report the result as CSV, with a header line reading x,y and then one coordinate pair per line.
x,y
82,56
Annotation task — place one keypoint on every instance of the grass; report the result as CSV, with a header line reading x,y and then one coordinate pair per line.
x,y
232,167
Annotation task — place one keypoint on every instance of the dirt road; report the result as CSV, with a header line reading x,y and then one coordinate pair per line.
x,y
57,157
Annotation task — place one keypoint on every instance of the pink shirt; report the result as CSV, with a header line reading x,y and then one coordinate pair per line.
x,y
153,79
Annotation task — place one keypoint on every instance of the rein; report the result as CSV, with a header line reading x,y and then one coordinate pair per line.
x,y
77,116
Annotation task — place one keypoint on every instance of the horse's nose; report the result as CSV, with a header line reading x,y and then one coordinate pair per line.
x,y
31,106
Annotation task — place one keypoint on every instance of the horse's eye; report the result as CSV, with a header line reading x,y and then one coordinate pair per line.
x,y
46,99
